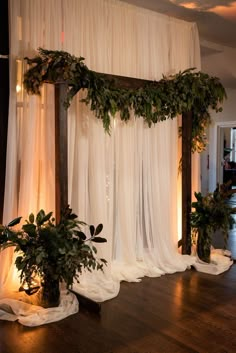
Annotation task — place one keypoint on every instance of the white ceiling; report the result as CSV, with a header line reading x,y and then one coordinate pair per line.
x,y
217,31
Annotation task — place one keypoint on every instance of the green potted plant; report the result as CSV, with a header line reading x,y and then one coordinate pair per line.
x,y
52,252
211,213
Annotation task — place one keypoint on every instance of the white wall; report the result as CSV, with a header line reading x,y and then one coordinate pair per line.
x,y
227,136
227,118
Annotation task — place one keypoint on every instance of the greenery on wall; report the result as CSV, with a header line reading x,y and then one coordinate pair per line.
x,y
155,101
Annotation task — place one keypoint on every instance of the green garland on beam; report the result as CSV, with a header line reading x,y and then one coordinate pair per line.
x,y
156,101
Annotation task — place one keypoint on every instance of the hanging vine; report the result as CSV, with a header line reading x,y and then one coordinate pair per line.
x,y
155,101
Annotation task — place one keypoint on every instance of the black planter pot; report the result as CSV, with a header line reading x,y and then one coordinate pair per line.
x,y
204,246
50,292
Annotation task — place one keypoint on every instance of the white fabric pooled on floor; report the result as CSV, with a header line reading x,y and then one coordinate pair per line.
x,y
33,315
220,262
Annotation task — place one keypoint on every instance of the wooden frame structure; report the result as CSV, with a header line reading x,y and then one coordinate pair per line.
x,y
61,158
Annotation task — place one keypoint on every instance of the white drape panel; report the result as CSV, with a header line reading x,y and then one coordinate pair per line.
x,y
128,180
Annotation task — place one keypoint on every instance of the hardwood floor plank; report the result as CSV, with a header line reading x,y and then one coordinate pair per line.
x,y
187,312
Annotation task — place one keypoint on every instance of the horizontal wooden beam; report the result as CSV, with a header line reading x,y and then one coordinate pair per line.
x,y
127,82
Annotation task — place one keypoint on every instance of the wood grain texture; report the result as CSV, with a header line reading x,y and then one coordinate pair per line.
x,y
61,149
186,312
186,181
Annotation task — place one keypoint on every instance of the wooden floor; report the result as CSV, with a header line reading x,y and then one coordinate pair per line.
x,y
186,312
180,313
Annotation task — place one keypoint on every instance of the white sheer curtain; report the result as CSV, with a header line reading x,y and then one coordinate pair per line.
x,y
128,180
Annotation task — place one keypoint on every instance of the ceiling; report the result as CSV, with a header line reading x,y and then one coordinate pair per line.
x,y
216,21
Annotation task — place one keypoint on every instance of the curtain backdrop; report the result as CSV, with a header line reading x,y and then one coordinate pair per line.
x,y
127,180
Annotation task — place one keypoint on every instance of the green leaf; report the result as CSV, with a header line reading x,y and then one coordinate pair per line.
x,y
39,217
30,229
99,240
72,216
46,218
31,218
92,230
14,222
62,251
81,235
99,229
94,249
39,258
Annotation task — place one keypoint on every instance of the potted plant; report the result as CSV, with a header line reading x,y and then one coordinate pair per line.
x,y
52,252
211,213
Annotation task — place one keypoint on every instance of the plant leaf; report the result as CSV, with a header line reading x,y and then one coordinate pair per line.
x,y
14,222
31,218
99,229
30,229
92,230
40,217
46,218
81,235
99,240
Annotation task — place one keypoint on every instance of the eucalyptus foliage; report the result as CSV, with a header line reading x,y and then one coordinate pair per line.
x,y
56,251
155,101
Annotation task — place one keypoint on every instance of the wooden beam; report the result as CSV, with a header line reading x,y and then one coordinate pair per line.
x,y
4,97
186,181
127,82
61,147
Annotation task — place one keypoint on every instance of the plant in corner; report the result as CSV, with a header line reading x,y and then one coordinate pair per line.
x,y
53,252
211,213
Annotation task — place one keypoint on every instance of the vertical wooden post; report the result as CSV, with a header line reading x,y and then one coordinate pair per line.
x,y
4,96
61,157
186,181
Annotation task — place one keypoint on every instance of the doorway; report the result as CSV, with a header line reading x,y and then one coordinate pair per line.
x,y
222,146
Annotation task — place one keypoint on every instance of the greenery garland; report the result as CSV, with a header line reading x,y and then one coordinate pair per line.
x,y
156,101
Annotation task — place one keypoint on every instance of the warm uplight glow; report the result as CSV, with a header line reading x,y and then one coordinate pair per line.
x,y
15,277
189,5
225,11
18,88
19,74
34,283
228,10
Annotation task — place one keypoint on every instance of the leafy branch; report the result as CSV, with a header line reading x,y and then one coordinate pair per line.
x,y
212,212
156,101
59,251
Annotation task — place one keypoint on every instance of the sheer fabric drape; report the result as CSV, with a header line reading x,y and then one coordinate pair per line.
x,y
127,180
